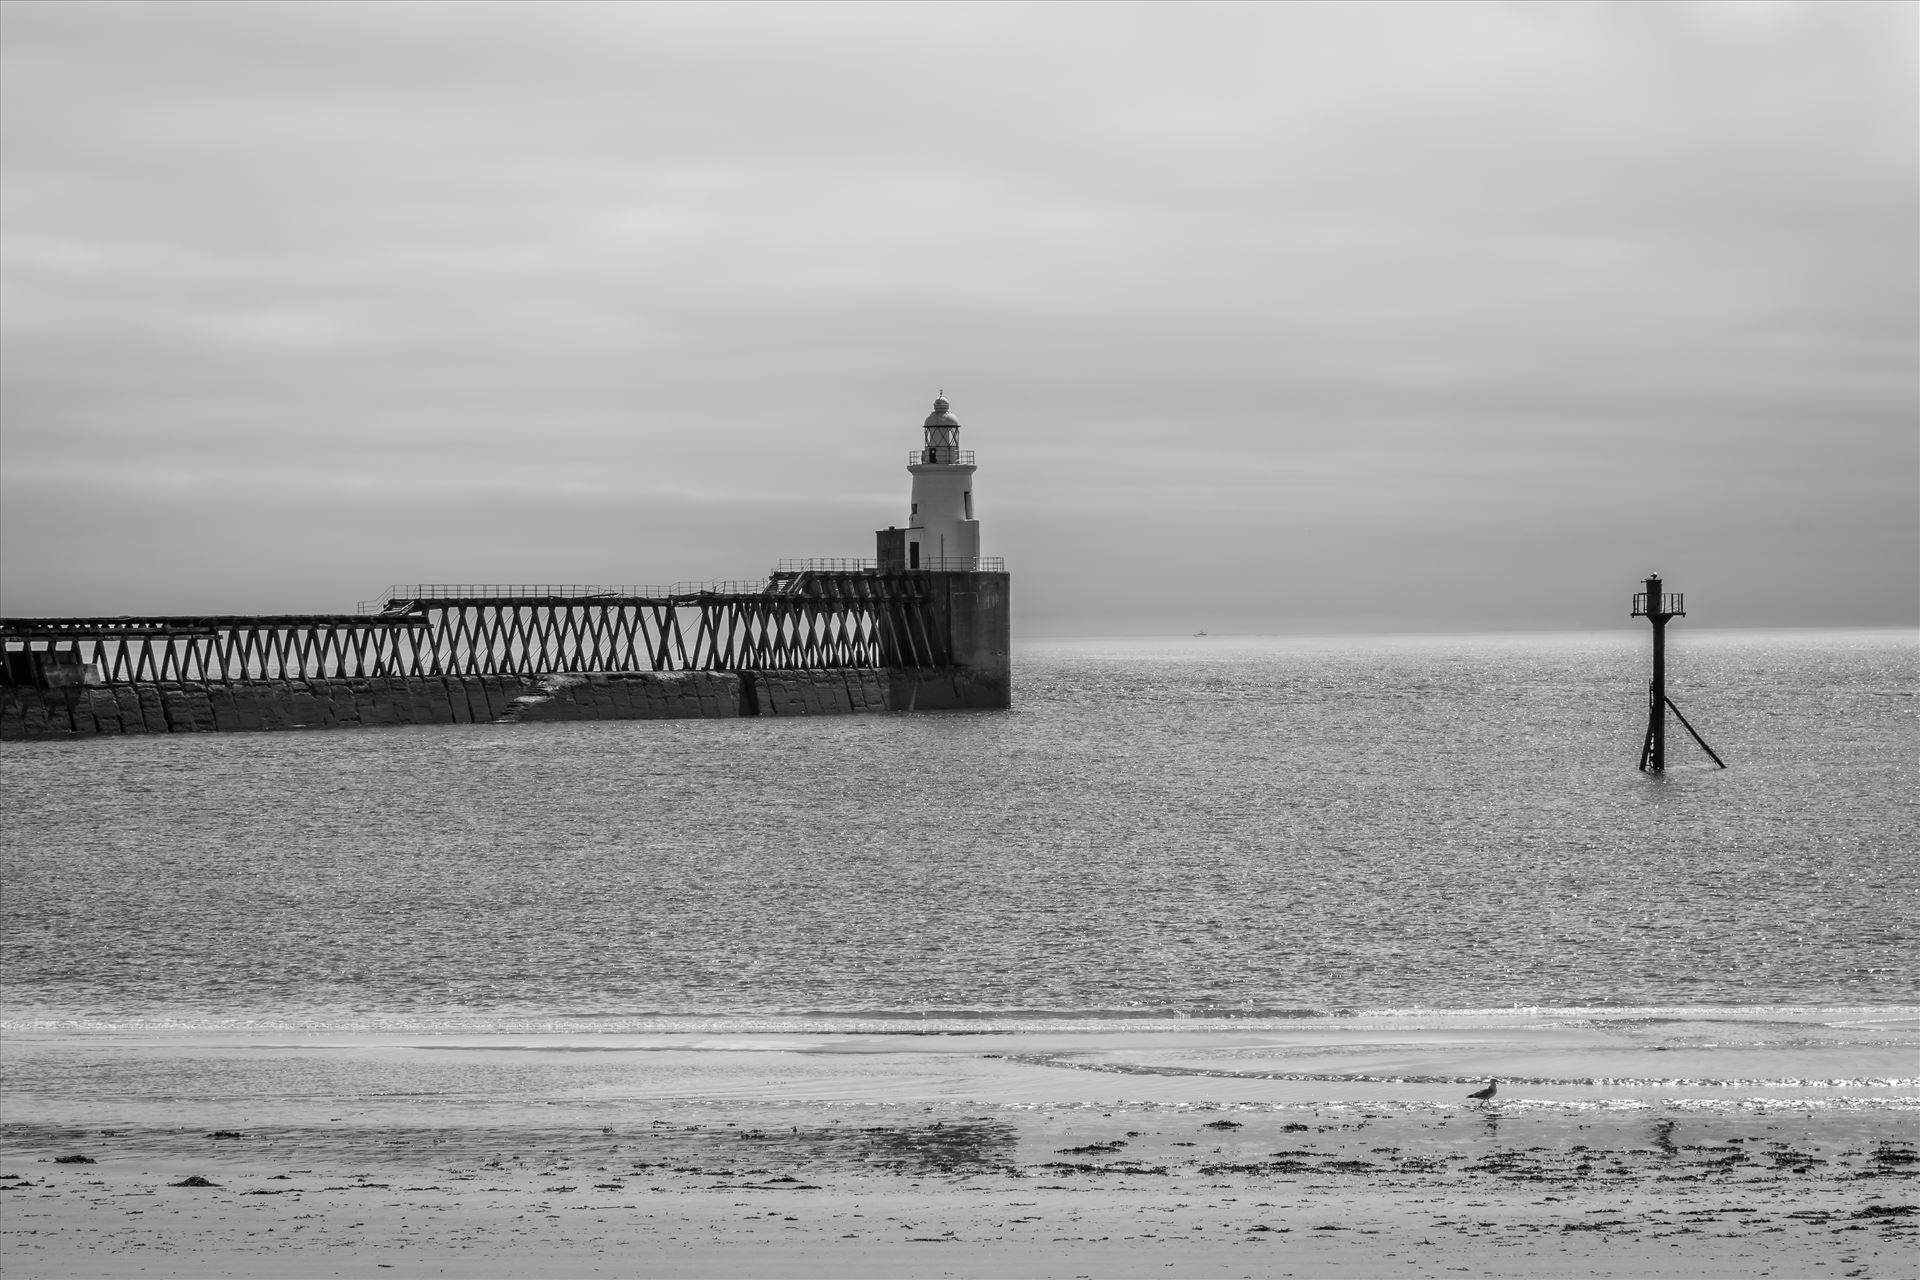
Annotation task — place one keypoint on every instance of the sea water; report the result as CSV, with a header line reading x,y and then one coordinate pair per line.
x,y
1158,833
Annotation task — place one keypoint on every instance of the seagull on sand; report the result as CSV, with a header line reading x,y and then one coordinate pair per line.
x,y
1486,1094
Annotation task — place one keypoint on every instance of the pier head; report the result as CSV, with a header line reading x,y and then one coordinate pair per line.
x,y
923,626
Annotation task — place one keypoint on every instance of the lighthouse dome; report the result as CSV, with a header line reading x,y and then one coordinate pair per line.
x,y
940,417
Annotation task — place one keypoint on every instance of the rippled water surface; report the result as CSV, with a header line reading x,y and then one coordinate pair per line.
x,y
1187,828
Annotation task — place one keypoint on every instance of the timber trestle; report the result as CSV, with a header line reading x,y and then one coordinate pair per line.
x,y
798,621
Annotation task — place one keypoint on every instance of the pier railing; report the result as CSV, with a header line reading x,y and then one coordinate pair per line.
x,y
962,564
401,594
935,564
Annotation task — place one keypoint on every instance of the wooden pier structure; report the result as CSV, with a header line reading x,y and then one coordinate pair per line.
x,y
801,618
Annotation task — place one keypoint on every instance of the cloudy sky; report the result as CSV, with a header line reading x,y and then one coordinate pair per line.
x,y
1260,318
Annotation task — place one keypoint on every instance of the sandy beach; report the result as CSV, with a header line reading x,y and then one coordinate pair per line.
x,y
1338,1150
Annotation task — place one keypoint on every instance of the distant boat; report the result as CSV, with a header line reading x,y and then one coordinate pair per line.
x,y
1199,633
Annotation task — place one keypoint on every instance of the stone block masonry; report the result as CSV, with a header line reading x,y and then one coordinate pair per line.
x,y
820,693
28,713
654,695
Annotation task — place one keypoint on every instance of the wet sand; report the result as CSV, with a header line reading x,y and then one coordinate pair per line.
x,y
1302,1151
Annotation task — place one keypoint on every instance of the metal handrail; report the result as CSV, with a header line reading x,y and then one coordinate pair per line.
x,y
402,593
940,455
826,564
963,564
943,564
1671,602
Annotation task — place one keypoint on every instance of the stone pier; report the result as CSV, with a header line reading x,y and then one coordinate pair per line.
x,y
28,712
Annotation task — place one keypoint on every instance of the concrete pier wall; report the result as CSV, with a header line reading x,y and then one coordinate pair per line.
x,y
27,712
972,614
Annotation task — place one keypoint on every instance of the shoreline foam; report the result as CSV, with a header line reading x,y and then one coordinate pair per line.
x,y
965,1022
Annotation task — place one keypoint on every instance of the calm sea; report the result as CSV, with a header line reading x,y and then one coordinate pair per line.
x,y
1187,829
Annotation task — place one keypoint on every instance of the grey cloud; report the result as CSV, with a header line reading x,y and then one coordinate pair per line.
x,y
1387,292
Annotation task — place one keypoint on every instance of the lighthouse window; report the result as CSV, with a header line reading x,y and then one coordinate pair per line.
x,y
916,509
966,500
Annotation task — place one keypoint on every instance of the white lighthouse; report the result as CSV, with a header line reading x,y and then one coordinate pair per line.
x,y
941,533
956,652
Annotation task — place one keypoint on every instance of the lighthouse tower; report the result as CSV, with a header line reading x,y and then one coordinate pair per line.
x,y
941,533
953,652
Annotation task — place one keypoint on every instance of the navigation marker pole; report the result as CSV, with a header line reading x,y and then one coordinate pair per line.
x,y
1656,607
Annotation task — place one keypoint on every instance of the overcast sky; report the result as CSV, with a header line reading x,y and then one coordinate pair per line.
x,y
1260,318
